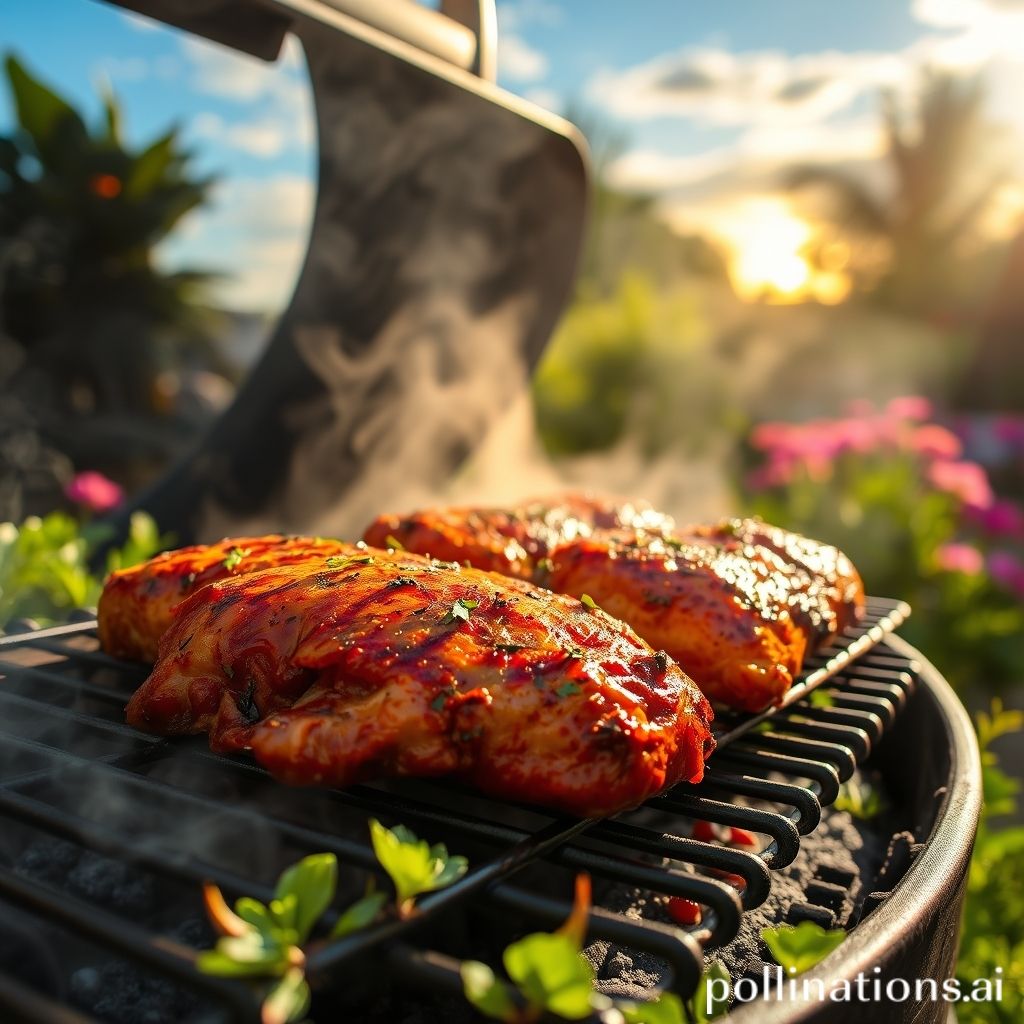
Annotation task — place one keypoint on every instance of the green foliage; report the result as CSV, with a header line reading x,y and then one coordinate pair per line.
x,y
799,947
666,1009
288,1000
45,563
992,932
860,799
263,940
413,865
719,1007
634,365
94,317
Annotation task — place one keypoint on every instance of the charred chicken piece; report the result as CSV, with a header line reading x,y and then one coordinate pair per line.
x,y
137,604
738,603
393,664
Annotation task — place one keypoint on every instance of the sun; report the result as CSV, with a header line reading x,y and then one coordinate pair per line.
x,y
767,241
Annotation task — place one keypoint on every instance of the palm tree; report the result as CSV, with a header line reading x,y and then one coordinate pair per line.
x,y
80,215
935,155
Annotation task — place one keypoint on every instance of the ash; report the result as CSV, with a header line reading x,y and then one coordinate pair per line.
x,y
833,882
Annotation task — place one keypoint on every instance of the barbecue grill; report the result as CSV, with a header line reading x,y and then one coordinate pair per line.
x,y
463,239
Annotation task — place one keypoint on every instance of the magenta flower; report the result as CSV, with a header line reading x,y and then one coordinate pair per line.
x,y
935,442
1008,570
959,558
910,407
966,480
94,491
1001,519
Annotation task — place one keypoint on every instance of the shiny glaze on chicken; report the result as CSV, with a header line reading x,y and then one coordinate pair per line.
x,y
738,603
516,541
393,664
137,604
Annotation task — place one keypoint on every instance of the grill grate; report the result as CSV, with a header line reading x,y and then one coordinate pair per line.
x,y
72,770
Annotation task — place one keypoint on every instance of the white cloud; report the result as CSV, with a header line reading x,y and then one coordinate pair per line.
x,y
549,99
518,60
714,86
278,94
262,137
255,232
513,16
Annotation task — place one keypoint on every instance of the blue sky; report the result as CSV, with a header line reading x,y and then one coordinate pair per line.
x,y
713,98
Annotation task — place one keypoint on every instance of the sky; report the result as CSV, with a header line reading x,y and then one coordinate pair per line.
x,y
713,99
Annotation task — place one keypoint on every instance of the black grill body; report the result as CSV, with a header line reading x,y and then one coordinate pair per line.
x,y
72,772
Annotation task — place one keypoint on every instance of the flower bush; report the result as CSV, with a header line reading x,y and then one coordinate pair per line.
x,y
47,565
921,521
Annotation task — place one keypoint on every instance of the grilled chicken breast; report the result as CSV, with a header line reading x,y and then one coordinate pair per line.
x,y
137,604
738,604
516,542
392,664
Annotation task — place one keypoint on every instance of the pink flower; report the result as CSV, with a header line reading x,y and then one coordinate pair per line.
x,y
1001,519
935,442
959,558
966,480
94,491
910,407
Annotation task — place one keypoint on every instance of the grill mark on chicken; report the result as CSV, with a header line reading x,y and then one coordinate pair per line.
x,y
737,603
359,679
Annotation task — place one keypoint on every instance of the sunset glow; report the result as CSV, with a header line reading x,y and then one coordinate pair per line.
x,y
768,244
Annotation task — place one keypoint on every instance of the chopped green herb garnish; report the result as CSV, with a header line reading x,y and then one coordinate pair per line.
x,y
338,562
575,652
394,543
568,689
459,612
234,558
508,648
590,603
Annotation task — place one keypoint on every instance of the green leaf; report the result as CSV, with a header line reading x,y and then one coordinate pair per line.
x,y
587,600
860,799
359,915
490,995
666,1009
255,913
459,611
312,883
717,972
41,112
394,543
414,866
234,558
1000,791
284,913
552,974
250,955
802,946
339,562
288,1000
213,961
